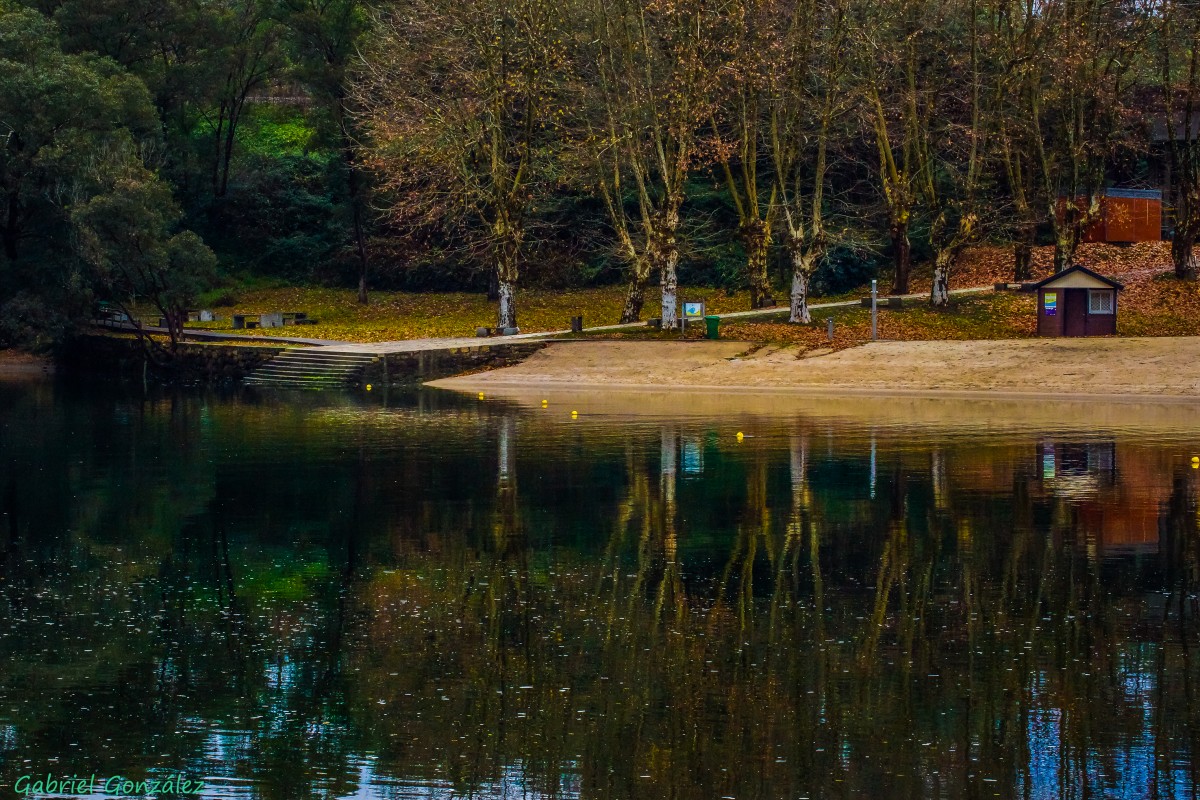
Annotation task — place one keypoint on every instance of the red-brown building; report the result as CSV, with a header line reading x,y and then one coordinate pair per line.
x,y
1077,302
1126,215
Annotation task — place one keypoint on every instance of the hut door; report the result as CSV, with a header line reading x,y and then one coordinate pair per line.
x,y
1075,313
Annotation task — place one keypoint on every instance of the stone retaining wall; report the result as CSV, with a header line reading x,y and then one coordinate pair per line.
x,y
427,365
121,356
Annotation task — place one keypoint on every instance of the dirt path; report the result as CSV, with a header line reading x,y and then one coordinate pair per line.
x,y
1142,367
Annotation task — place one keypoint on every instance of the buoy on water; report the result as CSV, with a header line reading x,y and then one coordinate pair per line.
x,y
574,414
368,387
481,395
739,436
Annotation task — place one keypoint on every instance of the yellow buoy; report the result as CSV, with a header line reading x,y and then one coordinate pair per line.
x,y
739,436
481,395
545,403
368,387
574,414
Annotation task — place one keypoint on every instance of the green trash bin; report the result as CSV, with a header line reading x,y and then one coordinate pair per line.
x,y
712,325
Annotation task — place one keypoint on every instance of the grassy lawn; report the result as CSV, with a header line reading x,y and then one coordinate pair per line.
x,y
1153,304
404,315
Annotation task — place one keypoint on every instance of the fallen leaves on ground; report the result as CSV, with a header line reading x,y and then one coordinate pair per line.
x,y
1153,303
407,315
1000,316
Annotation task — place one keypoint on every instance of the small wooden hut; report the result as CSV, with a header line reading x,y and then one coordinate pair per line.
x,y
1077,302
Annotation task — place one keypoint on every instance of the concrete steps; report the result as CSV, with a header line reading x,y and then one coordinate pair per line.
x,y
312,368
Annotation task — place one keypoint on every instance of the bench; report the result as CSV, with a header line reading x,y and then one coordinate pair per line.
x,y
297,318
274,319
111,316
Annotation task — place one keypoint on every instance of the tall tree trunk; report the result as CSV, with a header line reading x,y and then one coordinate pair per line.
x,y
799,304
635,297
1064,247
901,255
756,239
508,247
235,113
945,253
360,239
1023,252
219,139
670,289
664,255
507,316
1187,226
939,293
1068,231
1183,255
11,228
804,266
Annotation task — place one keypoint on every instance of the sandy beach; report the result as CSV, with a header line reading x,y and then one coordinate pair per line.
x,y
1109,368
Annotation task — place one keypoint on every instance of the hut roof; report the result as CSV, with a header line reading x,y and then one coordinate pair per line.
x,y
1077,268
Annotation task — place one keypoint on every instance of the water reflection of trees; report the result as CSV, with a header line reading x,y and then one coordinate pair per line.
x,y
980,650
755,624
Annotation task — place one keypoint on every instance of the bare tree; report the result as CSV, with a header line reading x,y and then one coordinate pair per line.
x,y
807,92
956,218
459,98
745,95
1071,63
887,37
657,63
1178,44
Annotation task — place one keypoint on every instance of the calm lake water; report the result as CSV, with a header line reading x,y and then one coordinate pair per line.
x,y
435,596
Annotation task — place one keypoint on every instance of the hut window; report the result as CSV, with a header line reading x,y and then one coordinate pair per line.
x,y
1100,301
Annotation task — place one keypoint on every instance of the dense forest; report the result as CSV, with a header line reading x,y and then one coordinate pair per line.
x,y
157,150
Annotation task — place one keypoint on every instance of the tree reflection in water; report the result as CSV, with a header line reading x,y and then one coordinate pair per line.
x,y
319,598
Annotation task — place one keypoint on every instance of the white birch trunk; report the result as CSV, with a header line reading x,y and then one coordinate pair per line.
x,y
670,292
800,282
939,293
507,317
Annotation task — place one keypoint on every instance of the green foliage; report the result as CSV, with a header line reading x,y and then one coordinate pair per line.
x,y
845,268
125,237
280,218
279,131
84,215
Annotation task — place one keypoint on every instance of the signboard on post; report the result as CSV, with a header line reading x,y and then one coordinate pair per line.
x,y
1051,304
692,312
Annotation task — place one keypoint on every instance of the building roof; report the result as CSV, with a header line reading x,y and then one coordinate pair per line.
x,y
1077,268
1129,194
1139,194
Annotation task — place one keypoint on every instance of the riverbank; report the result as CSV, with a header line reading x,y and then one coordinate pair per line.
x,y
1033,368
17,365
